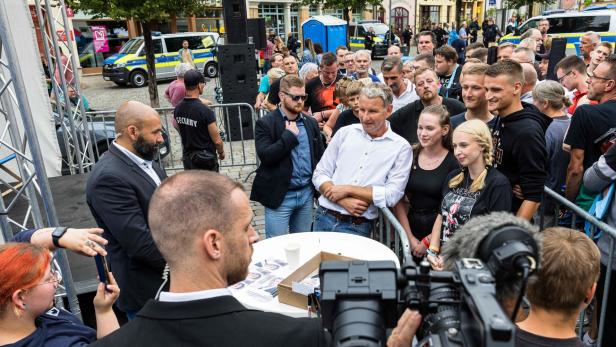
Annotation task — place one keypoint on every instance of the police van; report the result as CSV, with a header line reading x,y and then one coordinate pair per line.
x,y
572,25
357,32
129,65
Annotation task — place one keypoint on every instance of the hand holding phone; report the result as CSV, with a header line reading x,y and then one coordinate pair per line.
x,y
103,268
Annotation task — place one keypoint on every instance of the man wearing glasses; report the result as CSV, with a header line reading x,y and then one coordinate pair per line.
x,y
289,147
571,74
589,122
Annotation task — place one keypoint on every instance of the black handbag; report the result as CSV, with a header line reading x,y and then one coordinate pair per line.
x,y
203,159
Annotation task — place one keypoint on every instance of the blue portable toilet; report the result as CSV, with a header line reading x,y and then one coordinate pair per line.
x,y
329,31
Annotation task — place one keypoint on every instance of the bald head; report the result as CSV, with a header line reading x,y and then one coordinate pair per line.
x,y
132,113
185,206
530,77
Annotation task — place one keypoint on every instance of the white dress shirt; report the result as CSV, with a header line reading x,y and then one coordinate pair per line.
x,y
405,98
192,296
145,165
355,158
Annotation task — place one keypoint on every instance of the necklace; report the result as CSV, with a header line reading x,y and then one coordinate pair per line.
x,y
323,84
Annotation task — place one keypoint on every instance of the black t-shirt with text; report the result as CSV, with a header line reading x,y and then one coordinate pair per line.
x,y
460,204
404,120
193,118
588,123
461,118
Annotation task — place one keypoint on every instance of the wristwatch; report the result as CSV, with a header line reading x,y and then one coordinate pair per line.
x,y
57,234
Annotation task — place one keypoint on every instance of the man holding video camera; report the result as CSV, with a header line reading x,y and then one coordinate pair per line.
x,y
208,247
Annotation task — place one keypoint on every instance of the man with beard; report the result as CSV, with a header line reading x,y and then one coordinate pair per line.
x,y
519,136
448,71
546,40
118,192
289,146
197,126
589,122
404,121
208,245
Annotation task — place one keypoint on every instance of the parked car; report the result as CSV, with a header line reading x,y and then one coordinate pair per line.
x,y
129,65
102,134
572,25
357,32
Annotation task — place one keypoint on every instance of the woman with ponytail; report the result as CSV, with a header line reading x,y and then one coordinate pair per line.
x,y
473,190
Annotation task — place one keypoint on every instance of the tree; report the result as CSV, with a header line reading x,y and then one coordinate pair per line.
x,y
145,12
346,5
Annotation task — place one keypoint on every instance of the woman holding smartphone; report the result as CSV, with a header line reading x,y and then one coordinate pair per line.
x,y
475,189
28,286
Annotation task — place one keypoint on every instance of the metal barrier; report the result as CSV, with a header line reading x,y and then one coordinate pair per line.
x,y
609,230
239,152
399,243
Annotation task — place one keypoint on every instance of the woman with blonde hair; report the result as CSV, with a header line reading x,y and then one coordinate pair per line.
x,y
473,190
309,55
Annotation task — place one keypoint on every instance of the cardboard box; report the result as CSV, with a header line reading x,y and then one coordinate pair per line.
x,y
286,295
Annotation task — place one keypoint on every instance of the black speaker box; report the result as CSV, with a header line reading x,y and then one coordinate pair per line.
x,y
557,53
256,32
235,20
238,79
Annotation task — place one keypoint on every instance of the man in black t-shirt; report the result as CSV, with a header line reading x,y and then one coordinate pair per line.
x,y
197,125
448,71
474,96
588,123
320,90
404,121
563,286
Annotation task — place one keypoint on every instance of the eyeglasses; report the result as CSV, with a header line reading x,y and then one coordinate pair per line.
x,y
592,76
56,277
296,98
560,79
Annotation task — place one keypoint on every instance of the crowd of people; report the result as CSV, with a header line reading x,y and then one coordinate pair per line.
x,y
450,143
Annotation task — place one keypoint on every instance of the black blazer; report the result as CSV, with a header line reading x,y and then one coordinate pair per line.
x,y
118,193
216,322
274,145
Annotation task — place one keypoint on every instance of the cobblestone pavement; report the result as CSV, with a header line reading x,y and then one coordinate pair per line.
x,y
240,161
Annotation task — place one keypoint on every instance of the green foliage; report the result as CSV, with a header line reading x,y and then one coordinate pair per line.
x,y
141,10
519,3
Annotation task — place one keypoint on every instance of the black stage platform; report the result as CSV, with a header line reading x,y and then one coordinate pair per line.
x,y
72,210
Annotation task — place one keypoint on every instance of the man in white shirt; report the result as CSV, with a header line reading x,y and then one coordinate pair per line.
x,y
365,167
393,76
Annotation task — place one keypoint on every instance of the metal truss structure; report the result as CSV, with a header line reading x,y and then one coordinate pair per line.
x,y
20,148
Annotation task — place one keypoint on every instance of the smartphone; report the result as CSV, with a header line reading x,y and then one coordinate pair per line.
x,y
102,268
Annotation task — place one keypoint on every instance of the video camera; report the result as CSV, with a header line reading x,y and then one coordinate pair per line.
x,y
361,299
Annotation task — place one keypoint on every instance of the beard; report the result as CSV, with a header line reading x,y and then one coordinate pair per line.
x,y
145,150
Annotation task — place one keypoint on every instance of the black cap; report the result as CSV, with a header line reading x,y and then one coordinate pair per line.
x,y
192,78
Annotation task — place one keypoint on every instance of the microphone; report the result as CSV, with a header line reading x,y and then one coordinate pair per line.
x,y
509,246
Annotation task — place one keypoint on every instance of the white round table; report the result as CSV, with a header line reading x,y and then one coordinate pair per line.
x,y
311,243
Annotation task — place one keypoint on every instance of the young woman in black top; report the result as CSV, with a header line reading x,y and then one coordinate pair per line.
x,y
433,159
475,189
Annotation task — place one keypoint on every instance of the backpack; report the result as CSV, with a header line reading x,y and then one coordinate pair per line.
x,y
453,35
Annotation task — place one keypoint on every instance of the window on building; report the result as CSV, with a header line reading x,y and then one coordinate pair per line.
x,y
431,13
274,17
295,20
312,10
336,12
357,15
400,18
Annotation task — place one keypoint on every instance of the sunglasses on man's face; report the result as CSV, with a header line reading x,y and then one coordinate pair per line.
x,y
296,97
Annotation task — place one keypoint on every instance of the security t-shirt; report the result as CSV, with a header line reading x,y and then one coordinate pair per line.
x,y
193,118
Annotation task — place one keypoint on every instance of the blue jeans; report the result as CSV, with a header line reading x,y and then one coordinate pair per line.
x,y
293,215
327,222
